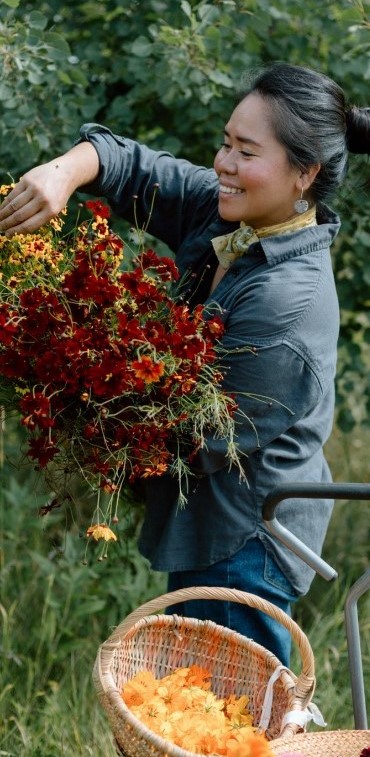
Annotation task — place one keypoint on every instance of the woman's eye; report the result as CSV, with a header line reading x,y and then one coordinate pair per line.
x,y
245,153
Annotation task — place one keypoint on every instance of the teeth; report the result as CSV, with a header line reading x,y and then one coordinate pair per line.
x,y
230,190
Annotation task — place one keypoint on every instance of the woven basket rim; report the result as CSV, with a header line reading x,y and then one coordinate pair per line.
x,y
152,607
330,741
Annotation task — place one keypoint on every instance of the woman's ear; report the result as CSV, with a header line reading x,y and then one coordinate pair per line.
x,y
308,176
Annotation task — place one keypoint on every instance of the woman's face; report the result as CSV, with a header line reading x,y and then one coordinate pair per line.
x,y
257,183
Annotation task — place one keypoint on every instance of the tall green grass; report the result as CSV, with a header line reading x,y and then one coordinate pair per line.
x,y
55,612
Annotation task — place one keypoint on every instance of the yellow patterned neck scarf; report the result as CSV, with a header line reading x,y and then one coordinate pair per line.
x,y
228,247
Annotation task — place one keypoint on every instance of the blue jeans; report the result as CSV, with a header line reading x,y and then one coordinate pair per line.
x,y
253,570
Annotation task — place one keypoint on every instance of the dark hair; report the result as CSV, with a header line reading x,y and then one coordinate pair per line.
x,y
311,119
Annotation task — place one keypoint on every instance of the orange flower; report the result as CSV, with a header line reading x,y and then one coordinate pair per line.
x,y
248,744
140,689
155,470
101,531
199,677
181,708
146,369
206,744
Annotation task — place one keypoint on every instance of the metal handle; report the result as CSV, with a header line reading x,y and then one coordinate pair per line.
x,y
354,649
332,491
302,491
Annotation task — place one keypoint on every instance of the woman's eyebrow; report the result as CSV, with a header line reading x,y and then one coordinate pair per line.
x,y
243,140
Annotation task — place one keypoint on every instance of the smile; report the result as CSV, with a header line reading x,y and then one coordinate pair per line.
x,y
230,190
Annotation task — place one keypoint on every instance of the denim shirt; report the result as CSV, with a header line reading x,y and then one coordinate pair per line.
x,y
279,299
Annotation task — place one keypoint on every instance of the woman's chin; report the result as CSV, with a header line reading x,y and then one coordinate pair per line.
x,y
227,215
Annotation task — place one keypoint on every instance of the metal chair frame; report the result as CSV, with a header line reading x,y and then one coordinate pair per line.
x,y
350,491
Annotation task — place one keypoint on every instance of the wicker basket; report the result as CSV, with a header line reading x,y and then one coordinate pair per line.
x,y
162,643
325,744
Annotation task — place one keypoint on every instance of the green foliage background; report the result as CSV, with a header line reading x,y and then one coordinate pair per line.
x,y
166,74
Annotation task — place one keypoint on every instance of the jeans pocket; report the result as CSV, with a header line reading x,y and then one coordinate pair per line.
x,y
275,577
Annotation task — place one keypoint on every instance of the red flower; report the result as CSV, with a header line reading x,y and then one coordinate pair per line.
x,y
214,327
145,292
164,267
36,411
86,287
42,450
129,329
8,327
14,365
98,208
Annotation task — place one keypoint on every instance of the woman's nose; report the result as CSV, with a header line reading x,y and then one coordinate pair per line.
x,y
227,162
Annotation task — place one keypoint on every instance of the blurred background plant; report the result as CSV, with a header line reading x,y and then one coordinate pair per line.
x,y
166,74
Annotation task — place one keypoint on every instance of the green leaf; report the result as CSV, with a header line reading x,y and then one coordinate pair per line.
x,y
186,8
35,77
6,92
364,238
58,47
64,77
141,47
11,3
91,606
220,78
37,20
78,77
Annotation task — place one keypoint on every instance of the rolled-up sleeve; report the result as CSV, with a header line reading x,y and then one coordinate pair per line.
x,y
170,196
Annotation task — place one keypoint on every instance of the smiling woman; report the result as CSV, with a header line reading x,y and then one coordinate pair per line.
x,y
252,241
258,184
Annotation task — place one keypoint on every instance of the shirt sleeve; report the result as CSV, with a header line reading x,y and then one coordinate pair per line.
x,y
276,391
144,186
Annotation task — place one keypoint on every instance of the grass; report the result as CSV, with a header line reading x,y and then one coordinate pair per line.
x,y
55,612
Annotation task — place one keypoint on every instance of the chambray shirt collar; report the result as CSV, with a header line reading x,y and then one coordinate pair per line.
x,y
282,247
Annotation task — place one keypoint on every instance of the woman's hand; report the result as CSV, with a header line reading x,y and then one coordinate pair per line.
x,y
45,190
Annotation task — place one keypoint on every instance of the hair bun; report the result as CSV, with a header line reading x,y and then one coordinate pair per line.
x,y
358,130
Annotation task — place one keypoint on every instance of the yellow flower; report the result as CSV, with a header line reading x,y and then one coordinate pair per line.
x,y
236,711
5,189
57,223
101,531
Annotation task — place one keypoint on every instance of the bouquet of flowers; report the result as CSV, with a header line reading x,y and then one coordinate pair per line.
x,y
114,378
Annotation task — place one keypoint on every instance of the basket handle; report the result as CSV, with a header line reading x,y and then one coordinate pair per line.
x,y
305,681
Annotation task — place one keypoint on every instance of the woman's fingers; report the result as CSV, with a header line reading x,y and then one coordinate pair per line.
x,y
16,209
25,217
31,203
45,190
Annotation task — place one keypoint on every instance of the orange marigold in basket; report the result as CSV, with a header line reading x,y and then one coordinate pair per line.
x,y
182,708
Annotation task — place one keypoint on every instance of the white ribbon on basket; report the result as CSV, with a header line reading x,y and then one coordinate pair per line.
x,y
299,717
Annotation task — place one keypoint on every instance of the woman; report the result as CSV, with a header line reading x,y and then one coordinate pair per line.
x,y
284,152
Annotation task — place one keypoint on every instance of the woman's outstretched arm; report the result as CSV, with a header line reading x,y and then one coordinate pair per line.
x,y
45,190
